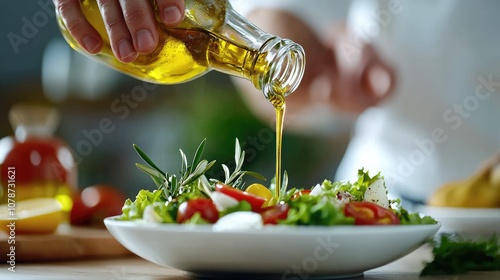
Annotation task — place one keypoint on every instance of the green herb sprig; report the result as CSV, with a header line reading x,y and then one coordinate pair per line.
x,y
171,184
283,194
454,255
235,179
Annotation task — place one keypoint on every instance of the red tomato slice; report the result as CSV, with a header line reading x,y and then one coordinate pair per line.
x,y
300,193
272,214
80,213
255,201
367,213
95,203
204,206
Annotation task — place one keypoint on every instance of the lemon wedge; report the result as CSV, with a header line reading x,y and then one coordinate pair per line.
x,y
262,191
39,215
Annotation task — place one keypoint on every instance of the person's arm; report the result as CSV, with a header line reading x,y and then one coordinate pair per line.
x,y
130,25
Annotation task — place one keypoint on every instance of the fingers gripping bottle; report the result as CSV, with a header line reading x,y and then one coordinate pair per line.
x,y
211,37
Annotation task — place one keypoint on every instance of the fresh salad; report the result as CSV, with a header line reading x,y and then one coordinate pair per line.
x,y
189,197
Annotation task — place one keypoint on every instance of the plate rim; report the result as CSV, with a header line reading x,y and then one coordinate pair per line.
x,y
311,234
275,229
460,212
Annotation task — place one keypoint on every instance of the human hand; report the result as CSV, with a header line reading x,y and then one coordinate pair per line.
x,y
359,77
345,83
131,25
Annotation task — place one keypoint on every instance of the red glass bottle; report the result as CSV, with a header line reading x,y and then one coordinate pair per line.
x,y
43,165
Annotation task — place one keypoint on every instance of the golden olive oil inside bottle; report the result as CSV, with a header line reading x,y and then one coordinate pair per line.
x,y
182,53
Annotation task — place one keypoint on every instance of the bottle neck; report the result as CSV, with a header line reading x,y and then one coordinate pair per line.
x,y
24,132
33,120
274,65
278,67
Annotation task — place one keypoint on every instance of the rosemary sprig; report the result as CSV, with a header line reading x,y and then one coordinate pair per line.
x,y
171,184
283,188
192,177
235,179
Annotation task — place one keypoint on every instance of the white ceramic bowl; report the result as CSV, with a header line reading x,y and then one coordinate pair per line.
x,y
469,222
278,251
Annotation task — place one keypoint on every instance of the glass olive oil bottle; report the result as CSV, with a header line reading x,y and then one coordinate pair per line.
x,y
33,162
211,37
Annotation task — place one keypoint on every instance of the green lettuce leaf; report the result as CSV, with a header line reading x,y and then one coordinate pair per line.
x,y
356,189
315,210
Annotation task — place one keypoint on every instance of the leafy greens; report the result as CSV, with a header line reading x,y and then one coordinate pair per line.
x,y
454,255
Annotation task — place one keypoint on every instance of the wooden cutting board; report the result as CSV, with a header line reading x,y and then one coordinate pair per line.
x,y
68,242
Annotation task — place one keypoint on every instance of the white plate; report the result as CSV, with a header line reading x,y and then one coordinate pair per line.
x,y
471,222
277,251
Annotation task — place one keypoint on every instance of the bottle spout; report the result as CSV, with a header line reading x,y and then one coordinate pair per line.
x,y
286,66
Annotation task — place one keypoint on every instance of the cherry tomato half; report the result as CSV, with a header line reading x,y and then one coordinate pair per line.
x,y
204,206
300,193
367,213
272,214
255,201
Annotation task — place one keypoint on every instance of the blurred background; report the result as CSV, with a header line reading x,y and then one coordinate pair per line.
x,y
38,67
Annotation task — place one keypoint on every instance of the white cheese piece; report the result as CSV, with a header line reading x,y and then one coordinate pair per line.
x,y
377,193
317,190
223,201
239,221
150,215
342,199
